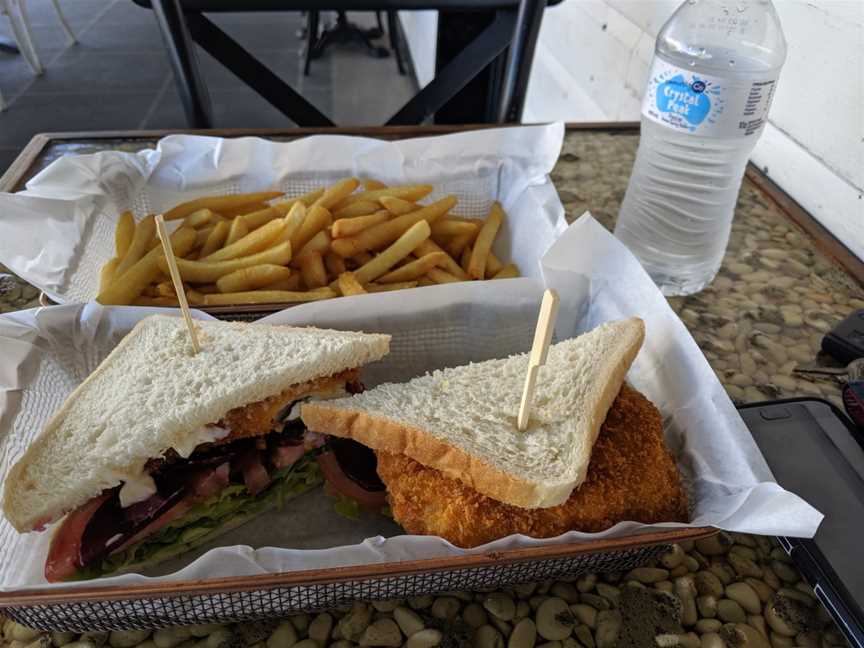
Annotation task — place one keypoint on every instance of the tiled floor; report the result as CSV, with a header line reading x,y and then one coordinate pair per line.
x,y
118,77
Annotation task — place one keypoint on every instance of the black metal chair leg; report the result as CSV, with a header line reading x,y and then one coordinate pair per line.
x,y
393,28
184,61
380,24
514,86
311,38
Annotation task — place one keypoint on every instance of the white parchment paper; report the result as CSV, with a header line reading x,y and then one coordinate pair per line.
x,y
59,232
51,350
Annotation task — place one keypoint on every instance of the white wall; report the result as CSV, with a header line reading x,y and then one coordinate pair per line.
x,y
592,64
420,29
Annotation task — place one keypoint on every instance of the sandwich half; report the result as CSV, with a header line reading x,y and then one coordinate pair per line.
x,y
455,464
159,450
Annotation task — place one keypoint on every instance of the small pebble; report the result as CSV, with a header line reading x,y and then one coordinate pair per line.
x,y
730,612
319,629
648,575
745,596
707,606
383,632
554,619
704,626
410,622
488,637
127,638
585,614
424,639
500,606
524,635
565,591
447,607
712,640
586,583
284,636
609,592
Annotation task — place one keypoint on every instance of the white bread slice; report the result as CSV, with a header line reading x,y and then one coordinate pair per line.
x,y
151,394
462,420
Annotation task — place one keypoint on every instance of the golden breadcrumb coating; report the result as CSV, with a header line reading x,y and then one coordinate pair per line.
x,y
631,476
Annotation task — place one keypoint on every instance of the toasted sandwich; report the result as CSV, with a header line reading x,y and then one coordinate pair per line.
x,y
455,465
159,450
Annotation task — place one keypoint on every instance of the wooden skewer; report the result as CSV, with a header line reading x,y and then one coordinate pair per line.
x,y
539,351
177,281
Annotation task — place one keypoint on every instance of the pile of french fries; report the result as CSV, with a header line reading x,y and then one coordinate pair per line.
x,y
348,238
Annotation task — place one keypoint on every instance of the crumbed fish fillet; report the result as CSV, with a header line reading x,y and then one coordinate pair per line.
x,y
632,476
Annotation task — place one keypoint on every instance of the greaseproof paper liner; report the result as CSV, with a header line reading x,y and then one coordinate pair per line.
x,y
51,350
59,232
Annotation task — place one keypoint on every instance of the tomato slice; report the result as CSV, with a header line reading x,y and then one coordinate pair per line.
x,y
336,477
62,561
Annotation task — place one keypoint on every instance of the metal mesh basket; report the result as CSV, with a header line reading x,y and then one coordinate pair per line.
x,y
247,603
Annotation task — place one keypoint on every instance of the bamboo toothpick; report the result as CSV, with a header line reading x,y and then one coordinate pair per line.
x,y
539,351
176,280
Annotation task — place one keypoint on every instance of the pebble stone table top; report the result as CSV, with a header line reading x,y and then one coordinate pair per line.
x,y
764,314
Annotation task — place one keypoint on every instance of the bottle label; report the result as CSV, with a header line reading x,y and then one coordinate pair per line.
x,y
707,105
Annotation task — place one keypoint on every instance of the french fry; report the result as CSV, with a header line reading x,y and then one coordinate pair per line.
x,y
362,208
408,192
348,284
253,242
439,276
292,221
106,274
194,297
429,246
483,242
198,218
465,259
446,227
242,210
457,244
424,281
143,300
350,226
317,218
268,297
216,239
318,244
372,185
217,203
123,234
493,265
129,285
507,272
402,285
312,269
165,289
237,230
384,233
207,289
252,278
202,272
338,191
362,258
149,291
334,263
415,269
202,236
402,247
281,209
397,206
291,283
145,233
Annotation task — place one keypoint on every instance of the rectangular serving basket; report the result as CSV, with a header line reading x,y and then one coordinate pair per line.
x,y
252,598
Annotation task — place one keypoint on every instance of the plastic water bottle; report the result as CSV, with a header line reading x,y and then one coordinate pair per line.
x,y
715,68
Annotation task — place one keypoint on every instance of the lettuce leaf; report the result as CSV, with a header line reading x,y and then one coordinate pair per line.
x,y
207,517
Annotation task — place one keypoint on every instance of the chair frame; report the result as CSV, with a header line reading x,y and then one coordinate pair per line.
x,y
507,41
